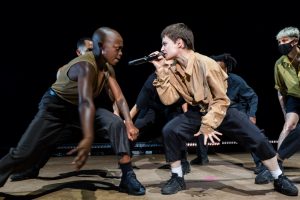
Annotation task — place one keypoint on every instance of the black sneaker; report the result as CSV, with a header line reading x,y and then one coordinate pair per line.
x,y
264,177
186,168
174,185
199,161
27,174
129,184
285,186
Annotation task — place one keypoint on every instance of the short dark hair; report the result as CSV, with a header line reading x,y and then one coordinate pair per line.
x,y
182,31
229,61
81,42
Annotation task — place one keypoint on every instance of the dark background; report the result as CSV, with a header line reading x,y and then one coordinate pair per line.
x,y
39,38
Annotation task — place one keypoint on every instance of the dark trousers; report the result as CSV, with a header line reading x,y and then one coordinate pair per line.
x,y
150,123
291,144
71,134
47,130
201,148
255,159
235,125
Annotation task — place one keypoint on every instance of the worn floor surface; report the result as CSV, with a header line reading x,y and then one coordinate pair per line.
x,y
227,176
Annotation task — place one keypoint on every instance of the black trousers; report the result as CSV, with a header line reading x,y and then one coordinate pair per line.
x,y
291,144
235,125
201,148
149,122
47,129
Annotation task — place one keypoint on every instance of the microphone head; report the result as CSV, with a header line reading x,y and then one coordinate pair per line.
x,y
154,57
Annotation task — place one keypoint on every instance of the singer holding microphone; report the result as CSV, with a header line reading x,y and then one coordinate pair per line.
x,y
151,114
201,82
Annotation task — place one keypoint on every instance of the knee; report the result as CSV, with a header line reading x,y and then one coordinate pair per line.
x,y
290,123
261,140
261,144
289,127
20,153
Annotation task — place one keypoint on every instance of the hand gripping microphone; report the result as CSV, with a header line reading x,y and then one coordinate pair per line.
x,y
145,59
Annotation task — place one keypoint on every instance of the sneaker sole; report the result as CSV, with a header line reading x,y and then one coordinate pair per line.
x,y
123,190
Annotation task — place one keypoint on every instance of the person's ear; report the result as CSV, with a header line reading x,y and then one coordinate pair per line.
x,y
100,45
78,52
180,43
97,48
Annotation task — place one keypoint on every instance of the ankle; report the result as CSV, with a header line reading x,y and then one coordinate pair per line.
x,y
276,173
125,168
125,159
177,170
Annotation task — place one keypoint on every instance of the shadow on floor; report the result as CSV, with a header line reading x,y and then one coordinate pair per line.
x,y
82,185
82,173
197,188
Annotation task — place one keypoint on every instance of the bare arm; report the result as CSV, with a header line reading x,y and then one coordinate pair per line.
x,y
116,109
184,107
253,119
117,93
281,99
280,87
115,106
86,104
134,110
83,73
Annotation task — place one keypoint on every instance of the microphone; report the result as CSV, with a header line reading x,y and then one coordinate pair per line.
x,y
145,59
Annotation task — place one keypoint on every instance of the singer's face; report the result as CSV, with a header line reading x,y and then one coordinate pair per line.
x,y
169,48
112,49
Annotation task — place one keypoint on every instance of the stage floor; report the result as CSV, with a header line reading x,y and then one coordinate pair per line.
x,y
227,176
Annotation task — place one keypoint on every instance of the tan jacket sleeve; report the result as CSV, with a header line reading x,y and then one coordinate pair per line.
x,y
217,83
167,93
